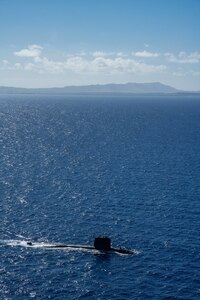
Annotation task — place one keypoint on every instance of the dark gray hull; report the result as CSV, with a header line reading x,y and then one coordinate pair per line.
x,y
84,247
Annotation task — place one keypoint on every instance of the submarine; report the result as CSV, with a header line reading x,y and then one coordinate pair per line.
x,y
101,243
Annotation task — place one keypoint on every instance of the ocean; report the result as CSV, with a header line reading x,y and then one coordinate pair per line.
x,y
76,167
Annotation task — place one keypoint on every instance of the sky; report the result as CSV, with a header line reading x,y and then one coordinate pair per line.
x,y
48,43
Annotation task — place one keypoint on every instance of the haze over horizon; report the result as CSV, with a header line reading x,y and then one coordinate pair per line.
x,y
63,43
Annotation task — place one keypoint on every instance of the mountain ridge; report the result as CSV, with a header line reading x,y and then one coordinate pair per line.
x,y
129,88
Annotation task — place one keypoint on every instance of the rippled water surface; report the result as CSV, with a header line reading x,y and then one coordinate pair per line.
x,y
75,167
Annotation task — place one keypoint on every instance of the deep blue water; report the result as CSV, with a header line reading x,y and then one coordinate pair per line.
x,y
74,167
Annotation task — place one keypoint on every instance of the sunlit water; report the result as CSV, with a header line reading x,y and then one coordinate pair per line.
x,y
74,167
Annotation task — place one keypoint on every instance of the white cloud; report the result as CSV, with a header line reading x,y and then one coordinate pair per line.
x,y
184,58
96,62
75,63
145,54
5,62
122,54
102,54
17,66
31,51
124,65
99,54
101,63
29,66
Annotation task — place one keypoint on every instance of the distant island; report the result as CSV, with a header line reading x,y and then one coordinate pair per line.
x,y
127,88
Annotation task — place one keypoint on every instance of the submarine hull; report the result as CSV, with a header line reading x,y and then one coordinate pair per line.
x,y
85,247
